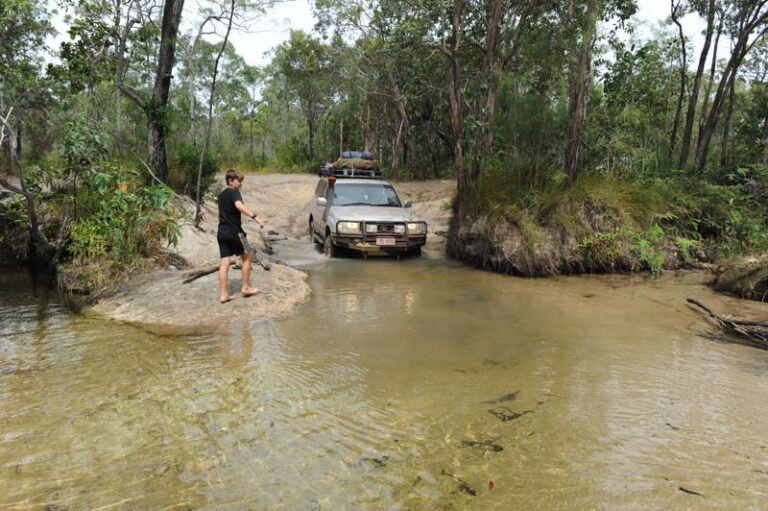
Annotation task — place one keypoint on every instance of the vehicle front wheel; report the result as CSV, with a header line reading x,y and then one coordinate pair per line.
x,y
329,248
414,252
312,235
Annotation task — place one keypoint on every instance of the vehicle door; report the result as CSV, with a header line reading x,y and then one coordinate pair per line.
x,y
324,211
316,210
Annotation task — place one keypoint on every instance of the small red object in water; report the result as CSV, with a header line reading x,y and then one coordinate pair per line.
x,y
491,484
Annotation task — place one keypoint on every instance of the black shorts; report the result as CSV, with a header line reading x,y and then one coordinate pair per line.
x,y
229,243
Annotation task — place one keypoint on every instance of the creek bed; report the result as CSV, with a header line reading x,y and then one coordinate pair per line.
x,y
408,384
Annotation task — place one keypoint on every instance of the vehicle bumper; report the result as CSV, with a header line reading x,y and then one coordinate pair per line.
x,y
367,244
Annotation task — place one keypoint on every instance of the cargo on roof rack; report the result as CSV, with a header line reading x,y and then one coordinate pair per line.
x,y
347,169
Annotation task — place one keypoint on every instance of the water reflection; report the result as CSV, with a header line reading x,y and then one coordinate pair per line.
x,y
400,385
236,341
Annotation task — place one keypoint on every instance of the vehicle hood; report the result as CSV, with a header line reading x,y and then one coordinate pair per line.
x,y
373,214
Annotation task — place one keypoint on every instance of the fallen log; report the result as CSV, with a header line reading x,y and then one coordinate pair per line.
x,y
194,275
751,333
258,258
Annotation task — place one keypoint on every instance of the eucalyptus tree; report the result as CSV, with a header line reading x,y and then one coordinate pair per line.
x,y
253,82
678,9
709,9
305,63
25,24
143,35
229,16
397,68
746,22
210,20
581,19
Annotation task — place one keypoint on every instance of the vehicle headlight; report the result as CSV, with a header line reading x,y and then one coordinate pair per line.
x,y
371,228
399,229
348,227
417,228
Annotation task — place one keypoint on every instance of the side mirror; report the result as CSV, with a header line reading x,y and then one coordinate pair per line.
x,y
321,201
407,204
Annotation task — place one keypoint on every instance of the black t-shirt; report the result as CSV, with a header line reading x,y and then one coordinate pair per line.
x,y
229,216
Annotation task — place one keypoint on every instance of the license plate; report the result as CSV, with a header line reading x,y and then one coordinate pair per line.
x,y
385,242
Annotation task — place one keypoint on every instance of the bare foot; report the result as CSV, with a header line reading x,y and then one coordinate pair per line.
x,y
225,299
249,291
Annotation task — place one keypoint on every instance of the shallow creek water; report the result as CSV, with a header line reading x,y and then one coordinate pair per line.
x,y
400,385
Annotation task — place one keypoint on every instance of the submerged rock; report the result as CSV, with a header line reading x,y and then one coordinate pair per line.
x,y
506,415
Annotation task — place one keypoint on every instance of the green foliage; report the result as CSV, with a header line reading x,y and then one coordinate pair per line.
x,y
685,248
188,157
730,216
13,227
82,146
125,220
649,253
292,155
623,225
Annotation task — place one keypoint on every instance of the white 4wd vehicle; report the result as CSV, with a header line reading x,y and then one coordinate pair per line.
x,y
365,215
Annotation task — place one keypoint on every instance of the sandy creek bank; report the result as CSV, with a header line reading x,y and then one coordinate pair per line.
x,y
160,300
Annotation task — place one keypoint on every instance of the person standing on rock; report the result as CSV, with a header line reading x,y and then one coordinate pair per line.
x,y
230,209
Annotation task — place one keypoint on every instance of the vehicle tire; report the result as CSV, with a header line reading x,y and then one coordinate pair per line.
x,y
329,248
312,235
414,252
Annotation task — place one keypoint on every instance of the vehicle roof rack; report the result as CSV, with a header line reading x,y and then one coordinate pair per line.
x,y
329,169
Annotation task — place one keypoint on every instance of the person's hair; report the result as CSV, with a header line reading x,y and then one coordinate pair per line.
x,y
233,174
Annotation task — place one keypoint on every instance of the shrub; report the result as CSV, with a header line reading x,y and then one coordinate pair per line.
x,y
188,164
14,235
126,220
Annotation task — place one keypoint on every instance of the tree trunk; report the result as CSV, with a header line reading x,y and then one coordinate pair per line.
x,y
396,144
250,141
457,114
40,248
693,100
19,128
579,82
366,138
724,156
311,141
5,141
493,22
121,35
206,141
263,152
729,77
683,77
156,110
192,98
710,82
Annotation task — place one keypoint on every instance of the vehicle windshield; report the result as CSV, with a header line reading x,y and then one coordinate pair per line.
x,y
365,194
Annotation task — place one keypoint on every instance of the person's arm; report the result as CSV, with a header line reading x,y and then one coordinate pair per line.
x,y
247,212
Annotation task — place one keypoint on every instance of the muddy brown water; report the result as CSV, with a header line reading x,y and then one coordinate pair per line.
x,y
400,385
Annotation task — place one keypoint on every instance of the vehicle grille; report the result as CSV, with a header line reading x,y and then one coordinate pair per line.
x,y
385,228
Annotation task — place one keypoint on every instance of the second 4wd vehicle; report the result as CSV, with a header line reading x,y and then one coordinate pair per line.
x,y
357,210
